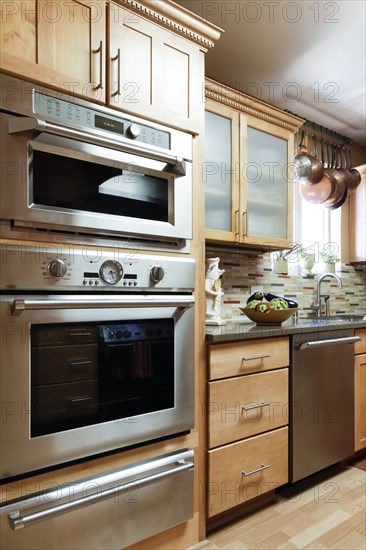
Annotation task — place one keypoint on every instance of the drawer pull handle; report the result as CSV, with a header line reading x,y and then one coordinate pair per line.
x,y
263,356
255,406
74,400
79,363
263,467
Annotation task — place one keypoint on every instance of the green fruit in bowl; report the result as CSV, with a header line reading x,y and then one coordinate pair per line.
x,y
279,303
253,303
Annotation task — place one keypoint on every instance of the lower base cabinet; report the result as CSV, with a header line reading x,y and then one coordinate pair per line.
x,y
247,469
247,421
360,390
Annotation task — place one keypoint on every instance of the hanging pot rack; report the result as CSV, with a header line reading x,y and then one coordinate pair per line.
x,y
315,127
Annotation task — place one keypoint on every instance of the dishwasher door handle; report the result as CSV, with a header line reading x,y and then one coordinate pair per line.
x,y
330,342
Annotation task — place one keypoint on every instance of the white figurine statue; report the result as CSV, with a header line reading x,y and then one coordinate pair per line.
x,y
214,292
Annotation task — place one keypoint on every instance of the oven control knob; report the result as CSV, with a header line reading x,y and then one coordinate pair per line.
x,y
134,131
157,273
57,269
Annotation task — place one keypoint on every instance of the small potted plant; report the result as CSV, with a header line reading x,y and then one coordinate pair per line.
x,y
280,263
281,258
307,260
328,261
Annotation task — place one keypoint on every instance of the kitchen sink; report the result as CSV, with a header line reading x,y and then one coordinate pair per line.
x,y
347,318
331,320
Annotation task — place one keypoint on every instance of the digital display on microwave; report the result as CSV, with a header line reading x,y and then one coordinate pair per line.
x,y
108,124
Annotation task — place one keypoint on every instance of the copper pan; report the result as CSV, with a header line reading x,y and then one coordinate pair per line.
x,y
343,167
340,202
308,169
325,191
356,176
337,174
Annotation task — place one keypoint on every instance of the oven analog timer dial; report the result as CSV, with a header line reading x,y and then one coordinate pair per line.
x,y
111,272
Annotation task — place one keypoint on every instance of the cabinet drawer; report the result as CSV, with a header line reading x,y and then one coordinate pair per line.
x,y
53,364
360,346
235,359
228,486
59,401
264,396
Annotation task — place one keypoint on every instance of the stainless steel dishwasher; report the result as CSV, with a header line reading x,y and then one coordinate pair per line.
x,y
322,401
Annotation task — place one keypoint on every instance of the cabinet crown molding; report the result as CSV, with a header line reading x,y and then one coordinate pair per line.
x,y
177,19
251,106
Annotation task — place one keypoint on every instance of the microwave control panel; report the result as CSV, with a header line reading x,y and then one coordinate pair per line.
x,y
71,113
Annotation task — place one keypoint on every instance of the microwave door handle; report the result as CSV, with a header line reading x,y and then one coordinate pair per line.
x,y
182,302
26,125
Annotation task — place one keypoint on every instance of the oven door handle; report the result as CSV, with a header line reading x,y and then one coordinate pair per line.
x,y
30,125
181,302
17,521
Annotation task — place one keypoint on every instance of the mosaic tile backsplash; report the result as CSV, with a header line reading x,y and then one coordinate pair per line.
x,y
244,270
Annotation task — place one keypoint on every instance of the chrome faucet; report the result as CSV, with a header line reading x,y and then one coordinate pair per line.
x,y
317,307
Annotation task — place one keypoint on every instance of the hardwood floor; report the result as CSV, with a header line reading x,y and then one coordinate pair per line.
x,y
327,510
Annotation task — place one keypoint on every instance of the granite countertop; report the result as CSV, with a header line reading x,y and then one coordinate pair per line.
x,y
242,330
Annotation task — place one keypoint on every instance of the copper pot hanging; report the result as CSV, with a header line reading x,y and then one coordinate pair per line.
x,y
356,176
308,169
344,169
325,191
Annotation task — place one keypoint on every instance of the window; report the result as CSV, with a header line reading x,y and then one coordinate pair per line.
x,y
316,227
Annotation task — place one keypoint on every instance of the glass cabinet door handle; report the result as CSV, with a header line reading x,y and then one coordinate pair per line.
x,y
245,221
237,213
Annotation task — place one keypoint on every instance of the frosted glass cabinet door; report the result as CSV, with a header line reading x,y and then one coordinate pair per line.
x,y
217,172
267,185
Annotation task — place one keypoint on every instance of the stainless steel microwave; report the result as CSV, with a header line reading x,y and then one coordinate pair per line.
x,y
69,166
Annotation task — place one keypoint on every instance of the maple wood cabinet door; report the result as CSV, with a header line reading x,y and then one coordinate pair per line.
x,y
360,402
61,44
153,72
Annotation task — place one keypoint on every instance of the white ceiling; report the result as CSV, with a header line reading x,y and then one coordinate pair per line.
x,y
307,56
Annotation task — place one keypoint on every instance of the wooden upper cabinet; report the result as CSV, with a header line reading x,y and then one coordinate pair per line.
x,y
357,204
249,151
140,56
56,43
154,72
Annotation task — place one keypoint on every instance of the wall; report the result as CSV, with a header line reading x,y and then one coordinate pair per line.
x,y
243,270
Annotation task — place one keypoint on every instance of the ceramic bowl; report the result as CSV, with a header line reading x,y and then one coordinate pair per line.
x,y
270,317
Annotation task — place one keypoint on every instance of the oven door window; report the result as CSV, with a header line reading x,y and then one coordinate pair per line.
x,y
85,374
109,187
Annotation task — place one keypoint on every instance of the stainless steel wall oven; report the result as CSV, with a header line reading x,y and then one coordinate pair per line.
x,y
71,168
97,352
